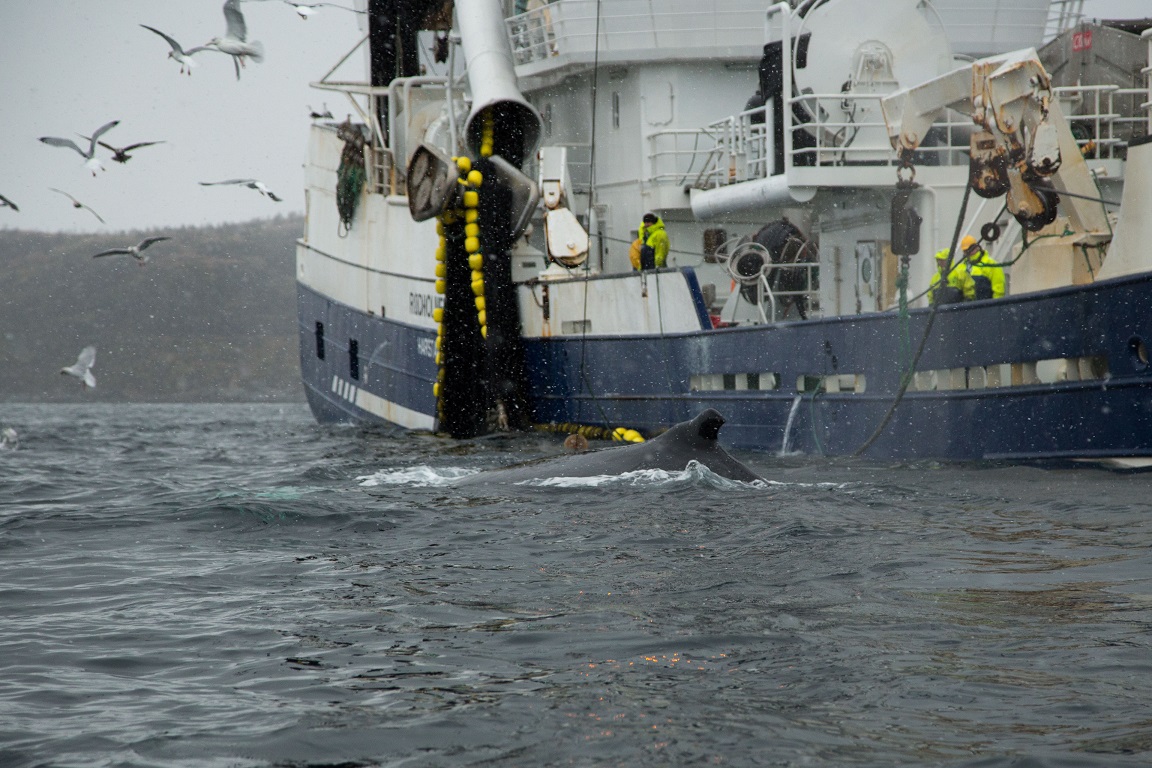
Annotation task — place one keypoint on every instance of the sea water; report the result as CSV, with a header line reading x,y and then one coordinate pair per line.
x,y
239,586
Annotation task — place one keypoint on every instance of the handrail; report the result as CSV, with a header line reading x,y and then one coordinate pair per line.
x,y
741,148
570,28
762,288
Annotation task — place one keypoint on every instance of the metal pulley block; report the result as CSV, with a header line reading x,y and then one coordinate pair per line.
x,y
1031,200
987,165
431,182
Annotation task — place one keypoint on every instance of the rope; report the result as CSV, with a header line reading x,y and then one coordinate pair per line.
x,y
906,378
905,329
584,380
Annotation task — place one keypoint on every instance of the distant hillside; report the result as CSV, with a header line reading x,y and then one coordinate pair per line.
x,y
211,318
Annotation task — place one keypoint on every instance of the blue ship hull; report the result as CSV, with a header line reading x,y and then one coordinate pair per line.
x,y
647,382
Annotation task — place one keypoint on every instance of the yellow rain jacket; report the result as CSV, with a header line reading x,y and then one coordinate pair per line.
x,y
987,274
958,279
654,237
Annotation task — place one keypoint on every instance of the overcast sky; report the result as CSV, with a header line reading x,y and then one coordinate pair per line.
x,y
72,65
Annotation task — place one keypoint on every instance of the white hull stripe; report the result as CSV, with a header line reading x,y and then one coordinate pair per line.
x,y
378,406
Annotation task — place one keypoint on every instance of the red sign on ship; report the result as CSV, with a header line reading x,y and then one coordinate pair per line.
x,y
1082,41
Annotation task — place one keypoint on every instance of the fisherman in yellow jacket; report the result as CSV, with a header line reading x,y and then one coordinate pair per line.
x,y
987,274
650,250
958,287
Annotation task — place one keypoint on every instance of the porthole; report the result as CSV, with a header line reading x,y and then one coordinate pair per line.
x,y
1139,352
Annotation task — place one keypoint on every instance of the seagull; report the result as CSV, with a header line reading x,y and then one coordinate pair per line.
x,y
133,250
250,183
121,155
77,204
82,369
6,203
235,41
308,9
325,115
178,54
92,164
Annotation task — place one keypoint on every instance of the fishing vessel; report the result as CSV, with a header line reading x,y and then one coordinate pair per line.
x,y
467,259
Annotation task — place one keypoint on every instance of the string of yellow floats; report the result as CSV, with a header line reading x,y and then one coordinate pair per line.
x,y
471,179
445,220
619,434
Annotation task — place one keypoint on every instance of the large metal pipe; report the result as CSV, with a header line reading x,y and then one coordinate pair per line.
x,y
496,98
748,196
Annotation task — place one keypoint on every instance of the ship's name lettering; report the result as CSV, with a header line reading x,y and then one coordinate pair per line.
x,y
422,304
426,347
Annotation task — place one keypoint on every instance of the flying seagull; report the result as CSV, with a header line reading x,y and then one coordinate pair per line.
x,y
235,40
6,203
77,204
132,250
178,54
92,163
250,183
121,155
308,9
82,369
325,115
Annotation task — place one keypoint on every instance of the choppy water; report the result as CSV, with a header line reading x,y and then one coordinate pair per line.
x,y
237,586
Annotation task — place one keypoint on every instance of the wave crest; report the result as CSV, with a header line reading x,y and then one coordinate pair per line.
x,y
419,477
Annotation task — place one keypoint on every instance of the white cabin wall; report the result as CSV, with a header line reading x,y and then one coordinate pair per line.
x,y
685,96
651,98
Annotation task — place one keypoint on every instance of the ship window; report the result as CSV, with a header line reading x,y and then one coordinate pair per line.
x,y
1139,352
354,359
713,239
615,109
1027,373
733,382
837,383
319,340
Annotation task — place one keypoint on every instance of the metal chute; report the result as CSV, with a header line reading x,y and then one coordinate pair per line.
x,y
496,98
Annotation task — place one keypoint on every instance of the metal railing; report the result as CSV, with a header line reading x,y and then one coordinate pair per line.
x,y
809,293
742,147
757,287
1106,125
569,27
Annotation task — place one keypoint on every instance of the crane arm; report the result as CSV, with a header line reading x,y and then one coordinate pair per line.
x,y
1022,147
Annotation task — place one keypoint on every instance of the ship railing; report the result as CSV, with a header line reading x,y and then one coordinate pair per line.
x,y
368,102
1104,123
737,148
1147,72
742,147
683,157
533,34
391,112
570,27
809,292
860,136
764,290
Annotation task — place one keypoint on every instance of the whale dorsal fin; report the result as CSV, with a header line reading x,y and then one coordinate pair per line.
x,y
707,424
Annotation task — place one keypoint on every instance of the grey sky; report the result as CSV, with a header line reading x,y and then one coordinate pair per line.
x,y
72,65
